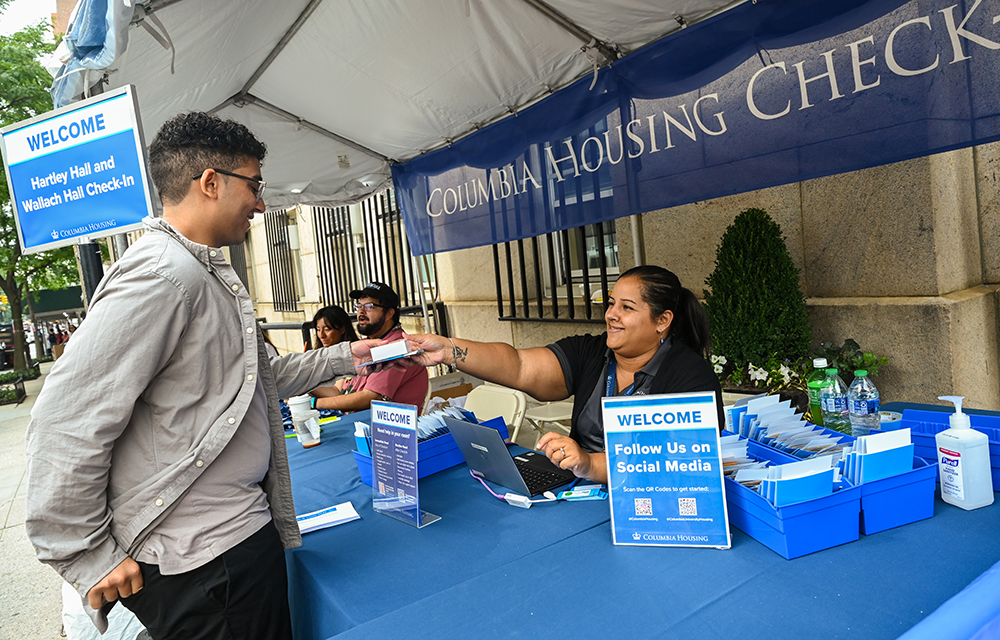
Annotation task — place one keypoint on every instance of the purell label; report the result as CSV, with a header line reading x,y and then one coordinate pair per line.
x,y
950,463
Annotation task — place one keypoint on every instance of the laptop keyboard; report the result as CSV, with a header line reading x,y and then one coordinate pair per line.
x,y
539,481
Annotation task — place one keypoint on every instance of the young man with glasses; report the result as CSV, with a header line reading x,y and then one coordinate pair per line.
x,y
156,470
378,317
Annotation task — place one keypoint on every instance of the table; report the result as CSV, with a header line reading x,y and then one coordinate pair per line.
x,y
490,570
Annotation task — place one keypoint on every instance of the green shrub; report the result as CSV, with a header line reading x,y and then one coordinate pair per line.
x,y
755,307
20,374
849,358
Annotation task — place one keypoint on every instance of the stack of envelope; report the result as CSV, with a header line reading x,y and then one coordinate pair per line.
x,y
878,456
768,420
786,484
432,425
735,458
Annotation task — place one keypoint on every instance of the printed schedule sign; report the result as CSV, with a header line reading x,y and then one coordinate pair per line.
x,y
395,487
665,471
77,172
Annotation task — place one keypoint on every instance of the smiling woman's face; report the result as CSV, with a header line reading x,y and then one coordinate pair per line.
x,y
632,331
326,334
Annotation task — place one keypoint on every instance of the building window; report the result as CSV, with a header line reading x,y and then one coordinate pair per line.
x,y
560,276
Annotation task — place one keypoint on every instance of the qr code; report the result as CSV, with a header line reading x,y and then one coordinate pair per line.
x,y
688,506
643,506
400,493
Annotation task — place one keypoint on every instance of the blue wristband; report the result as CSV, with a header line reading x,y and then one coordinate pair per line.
x,y
312,402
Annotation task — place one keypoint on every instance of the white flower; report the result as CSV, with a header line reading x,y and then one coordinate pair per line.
x,y
786,373
719,360
756,374
718,368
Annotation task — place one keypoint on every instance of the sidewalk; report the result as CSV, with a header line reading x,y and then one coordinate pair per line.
x,y
30,598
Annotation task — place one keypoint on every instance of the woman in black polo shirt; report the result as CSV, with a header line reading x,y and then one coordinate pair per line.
x,y
657,341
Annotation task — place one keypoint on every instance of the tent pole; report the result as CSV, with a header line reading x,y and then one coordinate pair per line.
x,y
420,288
638,246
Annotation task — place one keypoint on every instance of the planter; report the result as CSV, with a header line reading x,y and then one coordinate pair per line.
x,y
12,392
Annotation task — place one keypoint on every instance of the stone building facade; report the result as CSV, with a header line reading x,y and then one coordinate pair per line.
x,y
904,258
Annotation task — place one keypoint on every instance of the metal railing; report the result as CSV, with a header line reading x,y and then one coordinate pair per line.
x,y
370,246
279,257
238,260
544,286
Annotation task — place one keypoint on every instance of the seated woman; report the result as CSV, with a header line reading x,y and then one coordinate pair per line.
x,y
333,326
657,341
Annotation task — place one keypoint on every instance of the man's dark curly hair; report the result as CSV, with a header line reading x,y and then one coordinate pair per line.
x,y
189,143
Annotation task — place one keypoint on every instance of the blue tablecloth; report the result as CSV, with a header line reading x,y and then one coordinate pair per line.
x,y
490,570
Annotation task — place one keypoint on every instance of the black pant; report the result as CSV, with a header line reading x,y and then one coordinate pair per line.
x,y
241,595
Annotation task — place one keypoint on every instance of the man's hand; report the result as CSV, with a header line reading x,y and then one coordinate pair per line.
x,y
123,581
361,350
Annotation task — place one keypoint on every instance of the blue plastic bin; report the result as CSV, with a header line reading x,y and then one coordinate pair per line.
x,y
798,529
900,499
436,454
924,425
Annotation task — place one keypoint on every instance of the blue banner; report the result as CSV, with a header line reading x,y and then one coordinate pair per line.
x,y
767,93
665,471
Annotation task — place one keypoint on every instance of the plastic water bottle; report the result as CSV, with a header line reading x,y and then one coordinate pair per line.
x,y
862,401
833,401
816,382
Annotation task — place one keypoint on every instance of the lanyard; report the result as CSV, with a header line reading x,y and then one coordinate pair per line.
x,y
612,374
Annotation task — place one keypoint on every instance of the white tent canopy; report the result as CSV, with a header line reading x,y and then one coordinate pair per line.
x,y
341,89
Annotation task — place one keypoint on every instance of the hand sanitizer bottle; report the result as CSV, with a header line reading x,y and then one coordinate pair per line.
x,y
964,462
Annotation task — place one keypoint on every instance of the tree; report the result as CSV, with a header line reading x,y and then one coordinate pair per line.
x,y
755,308
24,93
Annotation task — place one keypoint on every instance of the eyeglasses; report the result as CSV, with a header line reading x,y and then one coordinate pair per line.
x,y
368,306
261,185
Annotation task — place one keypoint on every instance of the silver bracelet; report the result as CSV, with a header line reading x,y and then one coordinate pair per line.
x,y
454,356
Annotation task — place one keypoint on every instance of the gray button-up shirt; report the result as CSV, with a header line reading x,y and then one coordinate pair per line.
x,y
149,391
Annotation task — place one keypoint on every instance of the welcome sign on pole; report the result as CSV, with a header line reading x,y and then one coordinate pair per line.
x,y
665,471
78,172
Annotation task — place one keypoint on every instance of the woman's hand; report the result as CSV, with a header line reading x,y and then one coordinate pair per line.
x,y
565,453
437,350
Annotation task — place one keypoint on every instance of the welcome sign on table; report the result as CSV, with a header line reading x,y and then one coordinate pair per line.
x,y
395,486
665,471
77,172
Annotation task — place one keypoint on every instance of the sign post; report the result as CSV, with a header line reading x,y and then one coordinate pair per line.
x,y
395,486
78,172
665,471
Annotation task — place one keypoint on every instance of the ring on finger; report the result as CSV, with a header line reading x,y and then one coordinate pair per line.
x,y
563,449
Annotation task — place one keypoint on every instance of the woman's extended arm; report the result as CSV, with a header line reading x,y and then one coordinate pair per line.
x,y
534,371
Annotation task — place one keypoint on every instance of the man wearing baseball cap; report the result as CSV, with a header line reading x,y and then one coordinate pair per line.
x,y
378,317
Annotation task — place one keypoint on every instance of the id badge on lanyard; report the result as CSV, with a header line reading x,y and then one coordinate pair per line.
x,y
612,375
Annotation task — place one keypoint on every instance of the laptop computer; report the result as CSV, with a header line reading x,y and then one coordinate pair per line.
x,y
529,473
